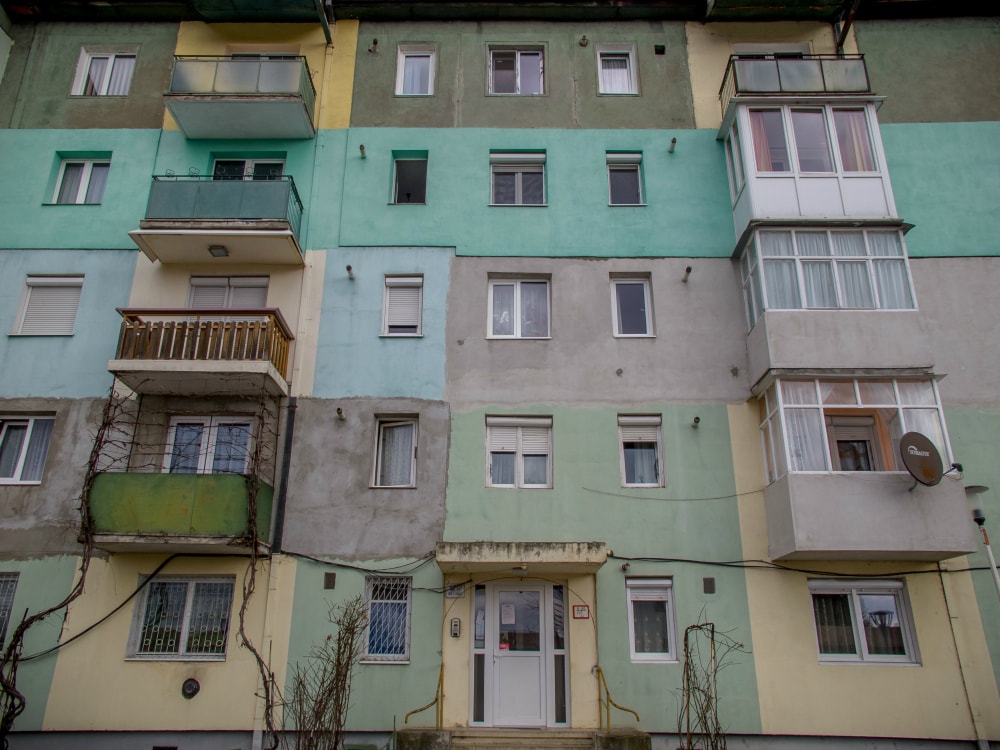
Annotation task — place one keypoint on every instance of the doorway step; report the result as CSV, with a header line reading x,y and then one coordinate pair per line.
x,y
521,739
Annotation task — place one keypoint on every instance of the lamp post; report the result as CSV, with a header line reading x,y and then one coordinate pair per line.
x,y
980,520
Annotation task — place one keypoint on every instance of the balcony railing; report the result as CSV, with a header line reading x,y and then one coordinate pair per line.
x,y
203,335
806,74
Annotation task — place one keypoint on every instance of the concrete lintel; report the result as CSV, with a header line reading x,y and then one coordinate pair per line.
x,y
532,557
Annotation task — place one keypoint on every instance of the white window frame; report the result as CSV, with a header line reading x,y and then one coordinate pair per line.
x,y
248,169
519,52
31,424
382,423
734,162
371,582
406,51
206,455
135,652
625,162
651,590
83,190
518,322
230,287
402,306
645,429
521,437
626,51
647,296
517,164
49,306
8,588
88,55
854,590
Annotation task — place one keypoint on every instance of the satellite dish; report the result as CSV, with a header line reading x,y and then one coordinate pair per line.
x,y
921,458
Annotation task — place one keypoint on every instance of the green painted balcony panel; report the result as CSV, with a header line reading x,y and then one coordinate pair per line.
x,y
242,97
132,511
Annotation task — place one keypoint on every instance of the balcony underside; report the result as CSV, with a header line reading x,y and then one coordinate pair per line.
x,y
222,116
199,378
188,240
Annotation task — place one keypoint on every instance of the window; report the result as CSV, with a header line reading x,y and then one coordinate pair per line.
x,y
651,619
410,181
24,444
388,637
49,306
81,181
849,424
415,69
865,621
396,456
211,292
8,585
517,179
519,309
616,69
734,161
102,72
630,305
822,140
248,169
519,451
402,305
641,457
817,270
516,71
624,179
183,619
208,445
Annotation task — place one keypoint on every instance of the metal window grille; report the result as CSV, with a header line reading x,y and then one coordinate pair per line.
x,y
8,584
388,618
186,618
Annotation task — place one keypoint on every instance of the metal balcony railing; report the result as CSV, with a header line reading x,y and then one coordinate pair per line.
x,y
205,335
243,76
802,74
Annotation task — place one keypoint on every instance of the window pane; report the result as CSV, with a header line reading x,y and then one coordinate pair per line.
x,y
834,629
186,451
631,298
70,187
849,243
819,285
231,444
387,628
531,73
798,392
615,78
883,634
208,623
640,463
536,470
397,455
8,585
502,469
782,284
624,183
927,423
416,74
770,151
504,72
38,447
893,285
805,440
532,188
776,243
121,75
876,392
534,309
855,286
95,76
813,244
411,181
811,140
834,392
649,623
504,188
164,617
10,448
917,392
852,139
885,243
503,309
98,179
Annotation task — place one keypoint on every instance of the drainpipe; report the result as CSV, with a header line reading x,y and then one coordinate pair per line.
x,y
286,457
323,20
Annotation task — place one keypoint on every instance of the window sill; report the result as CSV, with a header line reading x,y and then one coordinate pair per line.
x,y
525,96
386,662
412,203
33,335
658,660
628,205
71,204
518,338
414,96
518,205
634,335
618,93
18,483
870,662
401,335
392,486
171,657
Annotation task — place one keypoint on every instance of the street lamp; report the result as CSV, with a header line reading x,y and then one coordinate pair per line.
x,y
980,520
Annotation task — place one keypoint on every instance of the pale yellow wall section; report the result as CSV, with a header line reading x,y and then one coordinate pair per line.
x,y
330,66
710,45
95,688
798,695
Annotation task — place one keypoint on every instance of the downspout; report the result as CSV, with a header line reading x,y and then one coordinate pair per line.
x,y
286,457
323,20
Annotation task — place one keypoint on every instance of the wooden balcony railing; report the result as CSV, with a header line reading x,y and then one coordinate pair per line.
x,y
205,335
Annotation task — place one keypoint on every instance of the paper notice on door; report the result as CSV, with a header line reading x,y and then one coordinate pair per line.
x,y
507,614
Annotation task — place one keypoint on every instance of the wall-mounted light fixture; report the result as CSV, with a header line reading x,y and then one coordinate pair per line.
x,y
687,274
584,41
373,47
672,146
350,273
218,251
363,154
625,566
972,493
695,422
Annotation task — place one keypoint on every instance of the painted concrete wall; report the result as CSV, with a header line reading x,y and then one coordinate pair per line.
x,y
37,90
688,211
332,509
933,69
570,100
26,362
28,176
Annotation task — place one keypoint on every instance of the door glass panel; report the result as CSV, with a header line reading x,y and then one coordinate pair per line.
x,y
519,621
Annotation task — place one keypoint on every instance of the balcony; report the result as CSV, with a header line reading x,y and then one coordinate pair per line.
x,y
205,513
200,219
200,352
242,97
810,75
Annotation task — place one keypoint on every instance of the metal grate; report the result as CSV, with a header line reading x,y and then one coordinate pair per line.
x,y
388,618
186,617
8,583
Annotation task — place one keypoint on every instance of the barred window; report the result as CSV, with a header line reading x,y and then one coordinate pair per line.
x,y
183,618
8,584
388,636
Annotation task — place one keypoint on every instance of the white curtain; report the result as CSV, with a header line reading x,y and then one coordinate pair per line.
x,y
121,75
95,76
855,285
852,138
782,284
38,446
534,309
640,463
98,180
397,455
503,309
890,271
70,186
10,448
805,440
416,74
615,77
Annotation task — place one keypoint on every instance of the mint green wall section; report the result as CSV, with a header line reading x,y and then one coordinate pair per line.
x,y
64,366
323,214
933,69
28,173
974,434
694,518
352,358
688,211
42,582
381,694
946,181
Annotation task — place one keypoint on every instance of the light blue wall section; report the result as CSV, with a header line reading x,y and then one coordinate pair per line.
x,y
352,359
946,180
42,583
688,211
28,173
64,366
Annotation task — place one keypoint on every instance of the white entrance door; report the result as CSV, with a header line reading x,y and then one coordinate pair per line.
x,y
519,656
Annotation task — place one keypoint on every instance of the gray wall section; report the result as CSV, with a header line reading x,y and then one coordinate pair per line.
x,y
331,507
44,519
36,88
570,100
934,70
